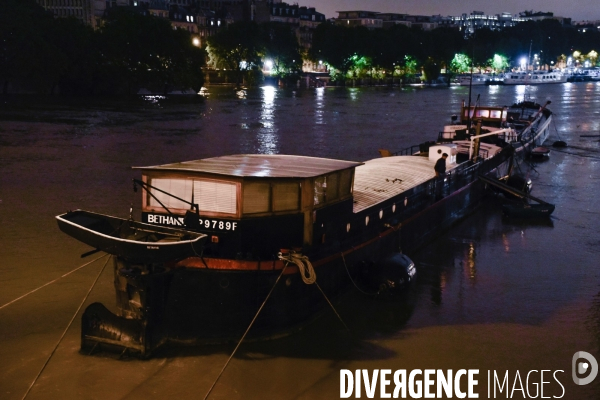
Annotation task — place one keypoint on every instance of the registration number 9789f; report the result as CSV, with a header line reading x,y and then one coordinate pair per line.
x,y
215,224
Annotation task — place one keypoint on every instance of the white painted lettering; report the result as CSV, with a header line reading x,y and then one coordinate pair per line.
x,y
473,383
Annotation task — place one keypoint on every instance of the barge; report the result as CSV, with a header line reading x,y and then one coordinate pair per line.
x,y
285,234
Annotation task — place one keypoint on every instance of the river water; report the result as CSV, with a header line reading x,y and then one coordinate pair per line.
x,y
492,294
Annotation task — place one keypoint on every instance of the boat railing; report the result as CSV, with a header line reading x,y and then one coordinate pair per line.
x,y
408,151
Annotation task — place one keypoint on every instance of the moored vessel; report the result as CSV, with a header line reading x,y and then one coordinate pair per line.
x,y
534,78
297,231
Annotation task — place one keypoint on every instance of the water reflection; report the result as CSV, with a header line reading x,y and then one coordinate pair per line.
x,y
267,138
319,105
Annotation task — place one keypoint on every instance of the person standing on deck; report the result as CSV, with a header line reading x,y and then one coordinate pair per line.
x,y
440,166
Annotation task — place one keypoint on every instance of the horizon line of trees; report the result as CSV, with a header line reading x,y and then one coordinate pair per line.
x,y
131,51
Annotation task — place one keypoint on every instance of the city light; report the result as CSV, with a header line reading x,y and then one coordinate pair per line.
x,y
196,42
523,63
268,64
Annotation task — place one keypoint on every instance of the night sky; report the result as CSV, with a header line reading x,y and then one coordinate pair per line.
x,y
578,10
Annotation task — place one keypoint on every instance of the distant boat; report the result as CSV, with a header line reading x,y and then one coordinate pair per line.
x,y
474,80
534,78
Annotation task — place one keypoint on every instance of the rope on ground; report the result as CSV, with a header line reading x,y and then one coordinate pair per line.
x,y
46,284
307,272
66,329
245,333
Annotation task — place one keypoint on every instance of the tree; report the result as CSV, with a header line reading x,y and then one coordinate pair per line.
x,y
238,47
27,53
282,48
144,51
498,63
461,63
337,45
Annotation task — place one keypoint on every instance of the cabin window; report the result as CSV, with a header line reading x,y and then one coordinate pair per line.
x,y
211,196
495,114
256,197
286,196
483,113
181,188
214,196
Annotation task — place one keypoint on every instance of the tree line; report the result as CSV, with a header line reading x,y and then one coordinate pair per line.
x,y
355,52
130,51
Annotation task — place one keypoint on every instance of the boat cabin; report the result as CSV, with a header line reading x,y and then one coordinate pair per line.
x,y
247,204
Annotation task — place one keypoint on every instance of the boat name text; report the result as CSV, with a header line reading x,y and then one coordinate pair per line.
x,y
207,223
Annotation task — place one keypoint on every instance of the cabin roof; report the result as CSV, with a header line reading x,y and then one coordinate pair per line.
x,y
382,178
259,165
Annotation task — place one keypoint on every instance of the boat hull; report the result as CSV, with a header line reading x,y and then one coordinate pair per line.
x,y
199,303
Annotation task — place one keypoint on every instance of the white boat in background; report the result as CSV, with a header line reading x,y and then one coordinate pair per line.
x,y
475,79
534,78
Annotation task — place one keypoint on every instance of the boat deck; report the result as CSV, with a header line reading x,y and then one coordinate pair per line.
x,y
379,179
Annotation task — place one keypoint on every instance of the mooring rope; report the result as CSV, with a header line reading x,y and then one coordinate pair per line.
x,y
66,329
245,333
46,284
307,272
352,280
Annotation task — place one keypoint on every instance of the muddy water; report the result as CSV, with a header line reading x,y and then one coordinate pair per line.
x,y
492,294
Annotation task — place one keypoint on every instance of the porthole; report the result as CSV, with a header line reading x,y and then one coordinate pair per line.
x,y
348,227
394,207
366,220
405,201
380,214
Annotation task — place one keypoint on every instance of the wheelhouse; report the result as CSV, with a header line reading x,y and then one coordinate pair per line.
x,y
248,204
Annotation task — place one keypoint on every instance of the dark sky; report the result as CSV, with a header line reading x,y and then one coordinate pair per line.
x,y
578,10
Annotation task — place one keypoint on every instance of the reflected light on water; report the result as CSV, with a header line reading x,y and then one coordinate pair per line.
x,y
267,138
241,94
525,92
319,105
353,92
470,262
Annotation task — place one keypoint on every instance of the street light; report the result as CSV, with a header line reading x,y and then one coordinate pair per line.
x,y
196,42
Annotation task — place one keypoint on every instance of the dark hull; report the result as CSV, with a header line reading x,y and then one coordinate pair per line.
x,y
134,241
